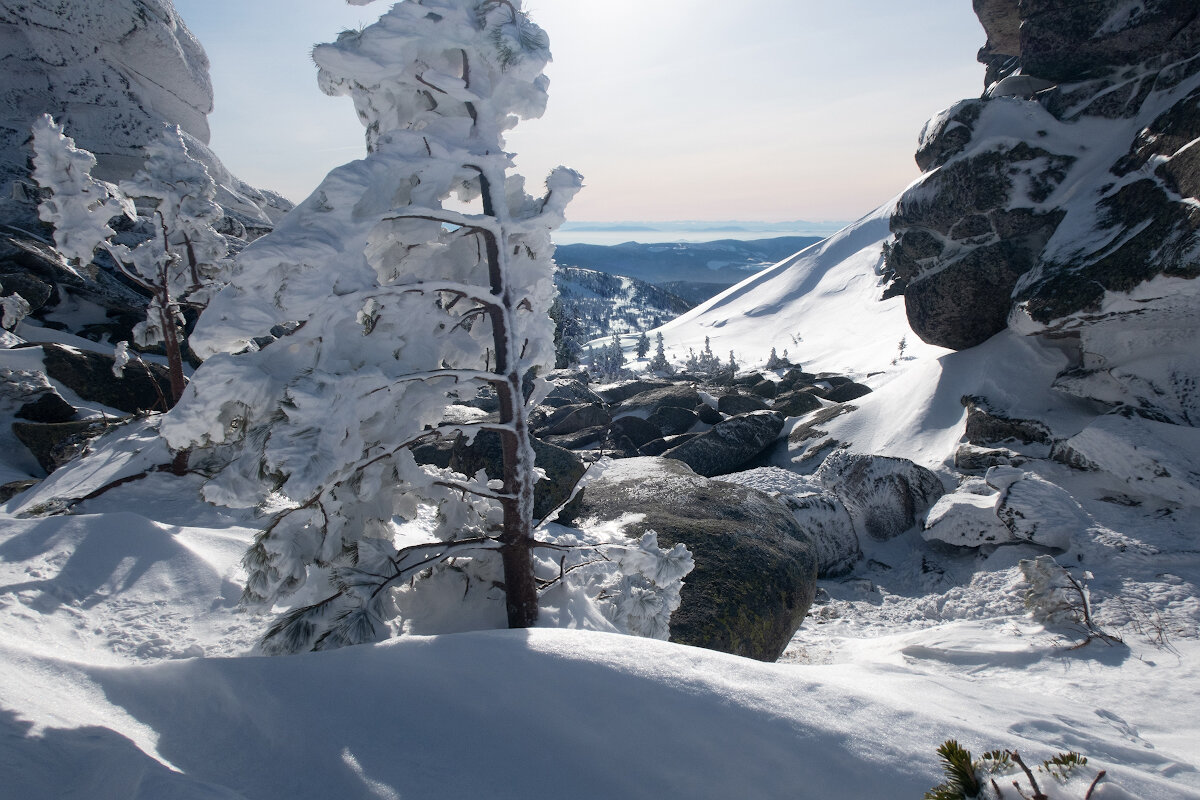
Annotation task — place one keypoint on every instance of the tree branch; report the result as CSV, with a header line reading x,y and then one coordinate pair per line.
x,y
462,487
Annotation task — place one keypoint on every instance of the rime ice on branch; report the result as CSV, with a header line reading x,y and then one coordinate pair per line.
x,y
79,206
379,307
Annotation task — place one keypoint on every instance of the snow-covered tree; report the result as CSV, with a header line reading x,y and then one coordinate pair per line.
x,y
643,345
659,362
79,206
347,332
186,260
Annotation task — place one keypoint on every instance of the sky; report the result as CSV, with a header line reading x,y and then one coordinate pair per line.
x,y
765,110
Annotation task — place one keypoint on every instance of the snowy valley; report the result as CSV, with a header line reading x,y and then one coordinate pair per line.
x,y
949,490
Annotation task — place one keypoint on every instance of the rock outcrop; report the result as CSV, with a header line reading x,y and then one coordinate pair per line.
x,y
1065,203
113,74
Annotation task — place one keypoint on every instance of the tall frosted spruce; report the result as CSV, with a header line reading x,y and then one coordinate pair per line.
x,y
349,331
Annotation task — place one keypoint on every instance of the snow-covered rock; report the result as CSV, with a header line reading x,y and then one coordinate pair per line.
x,y
1144,457
818,512
729,444
755,567
1057,212
113,74
885,496
1037,511
966,519
1009,505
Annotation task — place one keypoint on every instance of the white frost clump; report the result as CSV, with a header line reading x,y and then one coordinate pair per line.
x,y
647,592
608,579
1053,596
186,260
13,309
79,206
120,358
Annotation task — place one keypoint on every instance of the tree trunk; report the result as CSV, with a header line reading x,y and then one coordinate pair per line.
x,y
520,586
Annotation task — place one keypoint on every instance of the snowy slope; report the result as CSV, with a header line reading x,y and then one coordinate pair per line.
x,y
822,305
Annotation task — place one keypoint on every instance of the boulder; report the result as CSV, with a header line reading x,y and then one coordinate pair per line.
x,y
986,425
1065,41
755,573
574,418
846,392
35,291
729,444
707,414
10,490
54,444
1009,506
657,447
966,519
143,386
586,438
624,391
636,429
884,495
765,388
672,420
47,407
1037,511
1147,457
570,391
563,468
672,396
817,512
971,458
796,403
734,404
796,377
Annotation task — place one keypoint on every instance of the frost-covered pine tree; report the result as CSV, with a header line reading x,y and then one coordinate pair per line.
x,y
659,362
185,260
384,306
79,206
643,345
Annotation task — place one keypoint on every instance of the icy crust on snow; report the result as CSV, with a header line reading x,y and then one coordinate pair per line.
x,y
714,724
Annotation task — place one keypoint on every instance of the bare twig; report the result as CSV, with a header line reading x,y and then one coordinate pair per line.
x,y
1037,792
1099,777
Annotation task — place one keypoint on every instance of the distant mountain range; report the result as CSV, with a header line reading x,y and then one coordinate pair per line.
x,y
696,270
795,227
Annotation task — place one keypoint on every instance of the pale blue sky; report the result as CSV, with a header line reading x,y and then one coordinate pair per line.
x,y
672,109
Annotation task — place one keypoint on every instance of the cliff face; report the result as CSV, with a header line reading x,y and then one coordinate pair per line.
x,y
1065,203
113,74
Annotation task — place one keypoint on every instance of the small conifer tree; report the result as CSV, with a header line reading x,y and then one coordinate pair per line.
x,y
388,306
643,345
